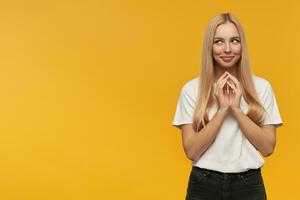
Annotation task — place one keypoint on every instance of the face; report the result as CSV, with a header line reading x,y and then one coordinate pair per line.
x,y
226,46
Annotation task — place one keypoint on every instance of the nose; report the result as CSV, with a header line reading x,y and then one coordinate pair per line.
x,y
227,48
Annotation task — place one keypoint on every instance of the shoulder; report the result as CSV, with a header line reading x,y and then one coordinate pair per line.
x,y
261,84
190,87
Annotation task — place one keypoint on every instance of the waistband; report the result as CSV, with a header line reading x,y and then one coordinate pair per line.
x,y
209,172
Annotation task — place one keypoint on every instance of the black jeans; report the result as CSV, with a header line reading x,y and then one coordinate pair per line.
x,y
207,184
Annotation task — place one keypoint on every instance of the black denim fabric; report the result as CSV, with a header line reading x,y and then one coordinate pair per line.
x,y
205,184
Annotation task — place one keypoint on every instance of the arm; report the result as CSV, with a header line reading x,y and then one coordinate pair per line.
x,y
195,144
263,138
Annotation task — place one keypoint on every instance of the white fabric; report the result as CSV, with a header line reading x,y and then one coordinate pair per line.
x,y
231,151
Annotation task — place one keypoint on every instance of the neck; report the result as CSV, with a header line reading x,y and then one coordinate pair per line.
x,y
220,71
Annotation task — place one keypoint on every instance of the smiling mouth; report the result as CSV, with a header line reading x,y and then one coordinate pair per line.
x,y
227,59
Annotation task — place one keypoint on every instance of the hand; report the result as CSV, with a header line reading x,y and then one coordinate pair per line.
x,y
218,89
234,93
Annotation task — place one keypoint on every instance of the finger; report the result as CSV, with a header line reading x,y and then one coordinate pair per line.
x,y
220,87
222,77
237,86
221,84
227,88
236,83
234,79
214,88
232,86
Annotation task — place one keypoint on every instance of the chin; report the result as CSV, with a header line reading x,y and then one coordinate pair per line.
x,y
227,65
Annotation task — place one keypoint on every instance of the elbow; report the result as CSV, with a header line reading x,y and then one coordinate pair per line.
x,y
189,155
192,156
268,153
269,150
188,152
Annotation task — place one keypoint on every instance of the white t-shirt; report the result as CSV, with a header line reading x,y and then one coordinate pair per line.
x,y
231,151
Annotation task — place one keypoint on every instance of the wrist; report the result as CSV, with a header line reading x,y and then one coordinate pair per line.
x,y
236,111
223,111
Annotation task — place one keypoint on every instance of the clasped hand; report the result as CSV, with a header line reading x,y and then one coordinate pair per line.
x,y
228,91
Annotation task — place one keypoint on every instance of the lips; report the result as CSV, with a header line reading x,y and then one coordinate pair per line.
x,y
227,58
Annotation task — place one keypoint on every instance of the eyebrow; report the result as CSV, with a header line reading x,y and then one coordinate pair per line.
x,y
235,37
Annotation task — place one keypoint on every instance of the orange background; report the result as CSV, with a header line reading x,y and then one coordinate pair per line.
x,y
89,90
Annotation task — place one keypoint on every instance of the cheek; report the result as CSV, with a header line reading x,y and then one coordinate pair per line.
x,y
237,49
217,50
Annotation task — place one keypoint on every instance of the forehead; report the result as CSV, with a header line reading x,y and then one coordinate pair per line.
x,y
226,30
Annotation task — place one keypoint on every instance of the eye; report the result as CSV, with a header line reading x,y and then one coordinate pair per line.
x,y
217,41
236,40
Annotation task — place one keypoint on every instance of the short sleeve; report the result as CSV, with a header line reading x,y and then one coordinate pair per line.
x,y
185,107
272,116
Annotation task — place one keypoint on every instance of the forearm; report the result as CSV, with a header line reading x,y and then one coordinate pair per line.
x,y
200,141
262,142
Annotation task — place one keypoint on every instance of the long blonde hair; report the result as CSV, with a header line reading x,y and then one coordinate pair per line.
x,y
205,96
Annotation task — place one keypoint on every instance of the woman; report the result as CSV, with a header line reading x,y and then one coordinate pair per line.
x,y
228,117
